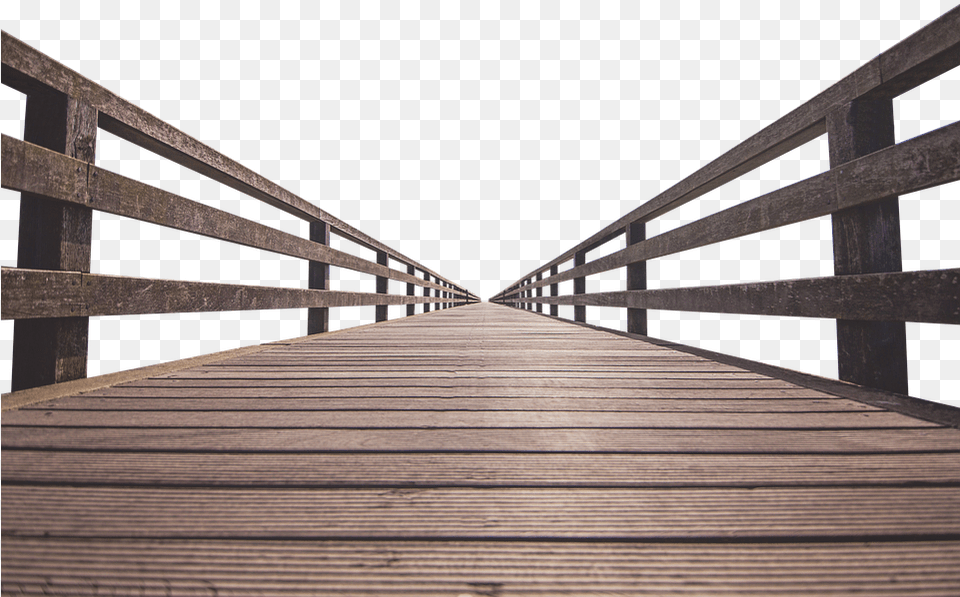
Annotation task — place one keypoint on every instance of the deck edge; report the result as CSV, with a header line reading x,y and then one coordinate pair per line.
x,y
935,412
15,400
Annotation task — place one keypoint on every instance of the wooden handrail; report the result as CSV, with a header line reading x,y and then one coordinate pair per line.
x,y
869,296
51,294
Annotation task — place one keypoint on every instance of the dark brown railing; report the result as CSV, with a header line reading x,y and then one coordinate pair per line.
x,y
869,296
51,294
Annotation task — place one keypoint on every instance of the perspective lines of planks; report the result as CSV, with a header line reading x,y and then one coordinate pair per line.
x,y
481,450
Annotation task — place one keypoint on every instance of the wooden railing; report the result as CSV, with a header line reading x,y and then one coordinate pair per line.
x,y
869,296
51,293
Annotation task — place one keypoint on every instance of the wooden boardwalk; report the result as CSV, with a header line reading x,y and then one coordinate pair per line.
x,y
481,450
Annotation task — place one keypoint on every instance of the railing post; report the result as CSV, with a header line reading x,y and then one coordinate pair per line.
x,y
382,282
54,236
636,279
555,291
426,293
318,276
579,287
539,292
411,308
866,239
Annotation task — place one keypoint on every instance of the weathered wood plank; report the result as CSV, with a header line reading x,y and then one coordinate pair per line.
x,y
855,513
475,470
42,293
44,173
92,566
924,296
913,165
92,401
54,235
412,419
27,69
659,441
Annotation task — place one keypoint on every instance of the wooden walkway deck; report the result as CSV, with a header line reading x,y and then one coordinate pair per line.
x,y
480,450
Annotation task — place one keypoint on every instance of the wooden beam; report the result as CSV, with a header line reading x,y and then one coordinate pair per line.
x,y
637,279
579,286
31,294
381,310
866,240
925,161
30,168
28,70
411,308
318,318
925,296
54,235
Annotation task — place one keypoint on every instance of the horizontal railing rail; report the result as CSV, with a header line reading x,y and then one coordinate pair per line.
x,y
869,296
51,293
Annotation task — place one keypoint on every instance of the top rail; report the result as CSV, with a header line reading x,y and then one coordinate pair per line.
x,y
925,55
51,294
26,69
869,296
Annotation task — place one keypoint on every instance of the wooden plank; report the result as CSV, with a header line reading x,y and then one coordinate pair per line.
x,y
659,441
150,566
119,403
54,235
295,389
44,173
921,162
412,419
318,277
26,69
854,513
921,296
325,470
41,293
866,240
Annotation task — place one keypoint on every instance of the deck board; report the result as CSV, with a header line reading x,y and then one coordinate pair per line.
x,y
481,450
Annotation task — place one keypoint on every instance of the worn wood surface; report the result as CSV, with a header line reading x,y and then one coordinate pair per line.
x,y
26,69
47,174
57,236
866,240
40,293
925,55
919,163
481,450
926,296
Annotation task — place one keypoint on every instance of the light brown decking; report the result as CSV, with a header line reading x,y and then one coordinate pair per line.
x,y
481,451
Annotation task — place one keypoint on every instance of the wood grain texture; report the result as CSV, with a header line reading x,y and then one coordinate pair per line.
x,y
474,445
921,296
30,294
47,174
26,69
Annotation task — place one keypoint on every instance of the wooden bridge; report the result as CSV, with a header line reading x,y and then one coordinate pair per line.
x,y
478,448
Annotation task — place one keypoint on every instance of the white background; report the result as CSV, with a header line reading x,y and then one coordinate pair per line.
x,y
482,139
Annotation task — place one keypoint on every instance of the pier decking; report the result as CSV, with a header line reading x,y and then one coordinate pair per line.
x,y
481,450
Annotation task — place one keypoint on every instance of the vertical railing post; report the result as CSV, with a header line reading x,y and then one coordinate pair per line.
x,y
539,292
866,239
318,277
411,308
382,282
426,293
54,236
555,291
436,294
637,279
579,287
